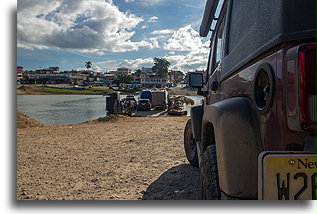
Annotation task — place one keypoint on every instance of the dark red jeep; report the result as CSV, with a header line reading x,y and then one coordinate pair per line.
x,y
254,136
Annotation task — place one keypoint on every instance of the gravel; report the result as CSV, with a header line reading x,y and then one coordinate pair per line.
x,y
121,158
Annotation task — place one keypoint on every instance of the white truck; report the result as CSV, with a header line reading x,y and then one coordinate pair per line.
x,y
159,99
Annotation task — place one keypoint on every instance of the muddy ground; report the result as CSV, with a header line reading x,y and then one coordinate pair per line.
x,y
114,158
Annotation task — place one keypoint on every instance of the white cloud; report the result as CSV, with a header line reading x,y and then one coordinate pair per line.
x,y
160,32
151,3
189,62
186,62
85,26
185,39
96,68
137,63
129,1
104,66
153,19
151,43
187,50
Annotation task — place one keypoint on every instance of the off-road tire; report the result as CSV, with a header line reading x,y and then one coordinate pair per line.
x,y
208,182
190,145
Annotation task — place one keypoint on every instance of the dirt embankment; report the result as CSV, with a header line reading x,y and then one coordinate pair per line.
x,y
182,91
24,121
26,90
113,158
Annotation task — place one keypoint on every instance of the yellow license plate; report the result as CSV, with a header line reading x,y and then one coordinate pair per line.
x,y
289,176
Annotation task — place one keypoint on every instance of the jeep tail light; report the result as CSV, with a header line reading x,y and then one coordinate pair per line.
x,y
307,89
301,88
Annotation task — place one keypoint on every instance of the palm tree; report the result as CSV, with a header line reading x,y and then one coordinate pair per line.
x,y
88,64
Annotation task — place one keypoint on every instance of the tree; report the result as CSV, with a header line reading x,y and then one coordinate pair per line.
x,y
88,64
161,66
138,71
122,78
25,78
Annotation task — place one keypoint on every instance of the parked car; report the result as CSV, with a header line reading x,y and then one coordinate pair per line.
x,y
254,136
144,105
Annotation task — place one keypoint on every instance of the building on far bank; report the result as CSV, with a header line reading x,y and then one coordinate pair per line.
x,y
121,70
175,77
153,80
49,70
20,69
108,79
20,72
146,70
50,78
135,79
124,70
49,75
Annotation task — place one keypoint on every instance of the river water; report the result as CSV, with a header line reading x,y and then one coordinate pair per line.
x,y
62,109
68,109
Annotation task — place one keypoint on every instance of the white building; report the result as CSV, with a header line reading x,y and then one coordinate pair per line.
x,y
153,80
146,70
124,70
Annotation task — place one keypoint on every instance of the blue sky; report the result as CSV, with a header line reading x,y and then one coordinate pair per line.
x,y
110,34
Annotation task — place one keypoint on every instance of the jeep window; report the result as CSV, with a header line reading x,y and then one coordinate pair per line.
x,y
217,41
219,44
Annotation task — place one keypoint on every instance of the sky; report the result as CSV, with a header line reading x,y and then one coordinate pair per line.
x,y
110,34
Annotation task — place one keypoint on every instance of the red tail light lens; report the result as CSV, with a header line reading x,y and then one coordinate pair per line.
x,y
301,87
307,86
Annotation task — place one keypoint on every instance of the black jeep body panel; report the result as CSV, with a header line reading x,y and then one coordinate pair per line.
x,y
254,27
238,144
258,26
251,38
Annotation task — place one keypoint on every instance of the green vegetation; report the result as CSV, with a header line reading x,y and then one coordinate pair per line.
x,y
122,78
52,90
161,66
138,71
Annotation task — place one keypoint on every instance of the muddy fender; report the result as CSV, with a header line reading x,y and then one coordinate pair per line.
x,y
238,144
196,114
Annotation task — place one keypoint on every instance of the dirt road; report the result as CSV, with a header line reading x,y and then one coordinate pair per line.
x,y
118,158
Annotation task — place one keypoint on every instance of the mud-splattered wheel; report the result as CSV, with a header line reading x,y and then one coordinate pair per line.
x,y
190,145
209,183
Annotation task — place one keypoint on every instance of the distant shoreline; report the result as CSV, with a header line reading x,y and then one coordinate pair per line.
x,y
70,90
60,90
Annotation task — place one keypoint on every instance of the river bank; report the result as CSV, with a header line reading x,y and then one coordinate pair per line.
x,y
182,90
61,89
100,90
112,158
